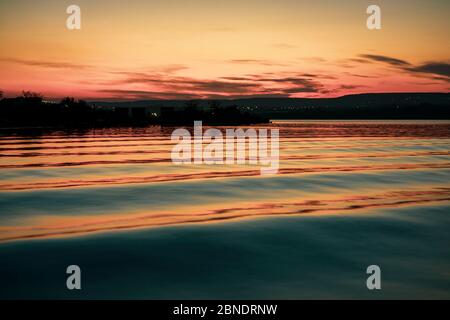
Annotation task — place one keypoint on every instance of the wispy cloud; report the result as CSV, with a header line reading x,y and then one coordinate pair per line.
x,y
124,94
128,94
313,59
386,59
48,64
437,70
257,62
164,86
350,86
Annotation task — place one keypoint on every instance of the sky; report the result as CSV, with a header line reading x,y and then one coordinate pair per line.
x,y
203,49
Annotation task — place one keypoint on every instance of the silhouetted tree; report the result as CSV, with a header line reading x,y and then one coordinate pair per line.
x,y
68,101
214,105
191,105
31,94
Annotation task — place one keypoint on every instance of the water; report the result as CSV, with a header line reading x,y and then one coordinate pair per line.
x,y
348,194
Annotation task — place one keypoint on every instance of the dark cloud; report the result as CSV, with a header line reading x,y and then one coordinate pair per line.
x,y
123,94
295,84
299,89
256,61
183,84
360,75
48,64
163,83
171,68
438,68
386,59
314,59
318,76
248,61
350,86
221,86
357,60
160,86
157,71
235,78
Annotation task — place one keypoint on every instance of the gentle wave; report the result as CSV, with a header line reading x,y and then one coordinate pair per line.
x,y
70,226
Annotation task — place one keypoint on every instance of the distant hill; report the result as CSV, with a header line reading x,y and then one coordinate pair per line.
x,y
357,106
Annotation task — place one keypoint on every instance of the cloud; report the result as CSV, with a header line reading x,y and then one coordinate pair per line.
x,y
171,68
282,76
386,59
295,84
235,78
314,59
361,75
48,64
221,86
183,84
160,70
256,61
141,85
124,94
438,68
350,86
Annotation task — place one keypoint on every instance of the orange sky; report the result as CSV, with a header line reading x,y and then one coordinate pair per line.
x,y
176,49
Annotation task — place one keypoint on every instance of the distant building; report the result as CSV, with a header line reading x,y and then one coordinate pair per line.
x,y
135,112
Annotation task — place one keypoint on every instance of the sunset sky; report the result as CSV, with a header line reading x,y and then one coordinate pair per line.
x,y
178,49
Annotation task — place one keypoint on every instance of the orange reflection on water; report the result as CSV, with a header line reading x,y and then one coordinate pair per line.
x,y
45,227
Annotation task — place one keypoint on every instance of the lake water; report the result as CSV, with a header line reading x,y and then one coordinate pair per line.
x,y
348,194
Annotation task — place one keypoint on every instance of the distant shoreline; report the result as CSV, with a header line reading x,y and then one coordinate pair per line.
x,y
32,112
43,129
